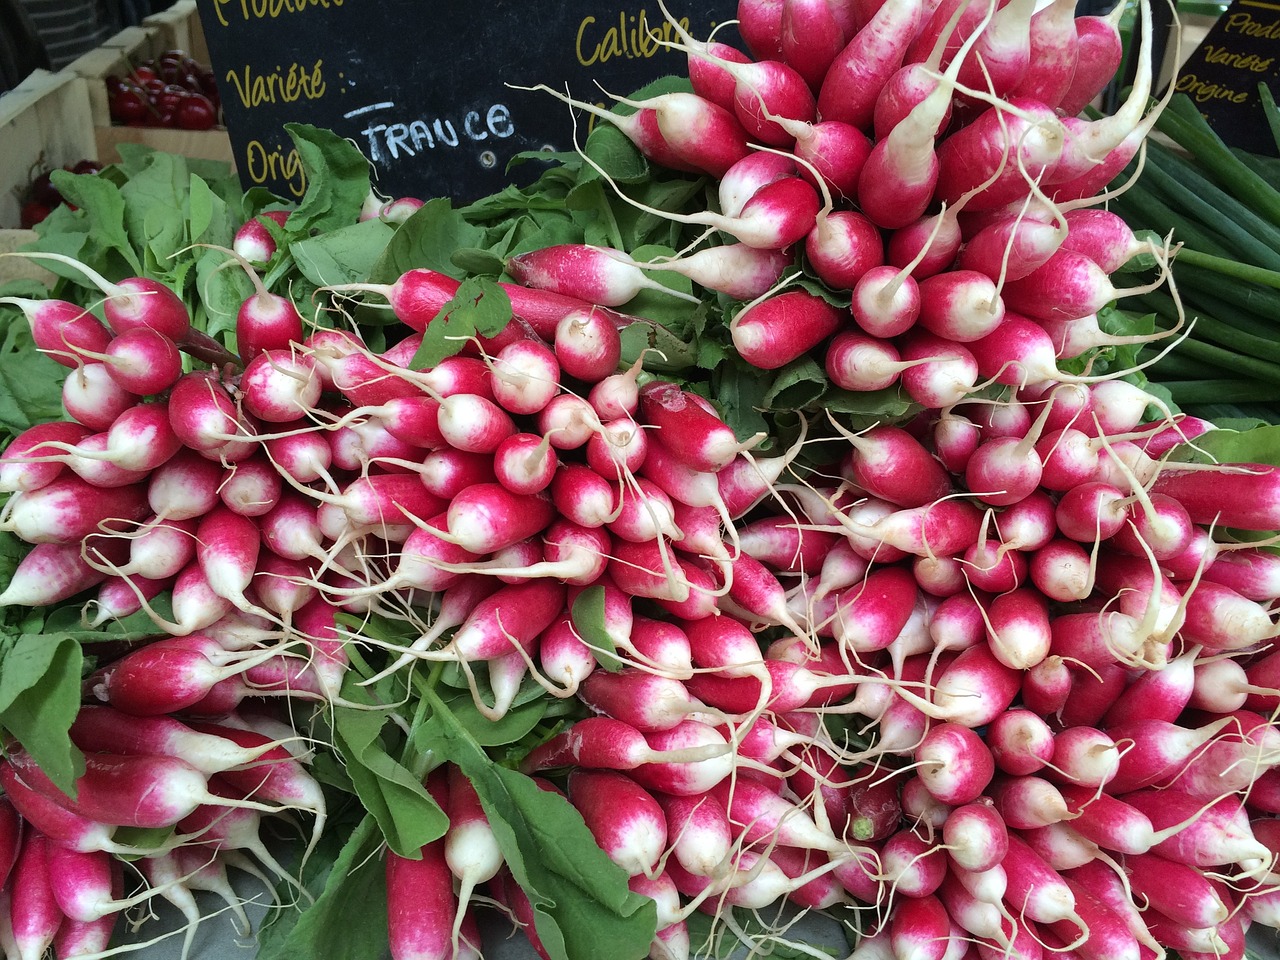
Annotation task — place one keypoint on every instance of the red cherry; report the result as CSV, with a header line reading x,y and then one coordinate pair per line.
x,y
33,211
196,112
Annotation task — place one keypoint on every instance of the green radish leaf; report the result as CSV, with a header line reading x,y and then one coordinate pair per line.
x,y
201,202
479,307
337,180
526,713
1259,445
104,208
345,255
588,618
348,920
426,241
797,386
155,201
671,354
888,404
740,390
144,838
30,384
582,907
404,810
39,698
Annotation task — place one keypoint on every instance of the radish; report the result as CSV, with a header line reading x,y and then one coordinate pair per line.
x,y
63,330
109,730
689,762
626,822
280,386
762,90
49,574
422,907
836,151
470,848
587,345
487,517
772,332
205,418
1021,742
31,458
761,29
35,914
811,36
1099,56
955,765
748,176
862,68
713,83
694,434
91,396
137,791
919,929
590,273
141,361
69,510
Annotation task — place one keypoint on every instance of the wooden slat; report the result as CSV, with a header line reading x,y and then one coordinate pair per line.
x,y
45,122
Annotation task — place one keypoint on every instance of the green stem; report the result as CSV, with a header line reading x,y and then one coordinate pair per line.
x,y
1256,241
1184,124
1258,308
1230,360
1221,391
1230,268
1175,366
1143,207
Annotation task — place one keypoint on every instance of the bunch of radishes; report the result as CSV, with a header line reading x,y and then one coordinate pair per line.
x,y
203,786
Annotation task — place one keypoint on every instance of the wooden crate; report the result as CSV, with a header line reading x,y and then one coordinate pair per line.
x,y
20,268
179,28
45,122
116,56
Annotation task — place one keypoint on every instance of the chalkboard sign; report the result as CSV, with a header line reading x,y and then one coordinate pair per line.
x,y
1241,50
422,86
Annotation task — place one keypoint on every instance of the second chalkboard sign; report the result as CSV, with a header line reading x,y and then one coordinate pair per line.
x,y
423,87
1222,76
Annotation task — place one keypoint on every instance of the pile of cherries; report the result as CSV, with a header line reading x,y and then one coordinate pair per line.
x,y
173,90
42,196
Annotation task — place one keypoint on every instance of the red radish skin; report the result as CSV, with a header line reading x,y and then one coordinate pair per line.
x,y
748,176
710,81
842,247
139,791
35,914
955,764
63,330
23,465
862,68
625,820
1098,57
773,332
92,397
69,510
588,346
811,37
836,151
585,272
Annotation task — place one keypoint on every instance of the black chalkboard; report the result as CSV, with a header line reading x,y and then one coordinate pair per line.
x,y
1241,50
421,85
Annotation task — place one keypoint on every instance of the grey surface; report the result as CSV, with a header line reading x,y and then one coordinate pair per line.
x,y
216,939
